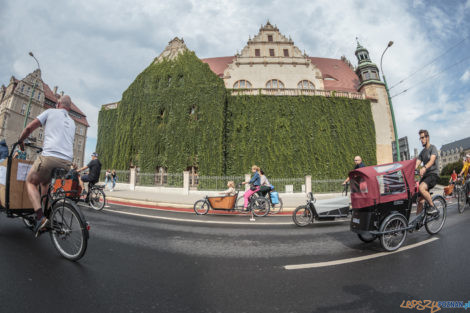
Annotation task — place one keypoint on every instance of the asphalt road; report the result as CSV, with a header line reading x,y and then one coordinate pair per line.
x,y
148,264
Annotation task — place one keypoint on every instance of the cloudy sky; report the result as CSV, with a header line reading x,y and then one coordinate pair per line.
x,y
94,49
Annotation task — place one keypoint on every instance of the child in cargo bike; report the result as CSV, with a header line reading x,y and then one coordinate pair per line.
x,y
231,189
255,182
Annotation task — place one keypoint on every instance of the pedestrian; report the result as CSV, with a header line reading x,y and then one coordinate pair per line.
x,y
114,179
107,178
255,182
359,164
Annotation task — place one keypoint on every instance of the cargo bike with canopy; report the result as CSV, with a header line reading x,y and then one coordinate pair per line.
x,y
67,226
382,197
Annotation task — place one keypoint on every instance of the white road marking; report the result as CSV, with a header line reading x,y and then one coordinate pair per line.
x,y
357,259
196,221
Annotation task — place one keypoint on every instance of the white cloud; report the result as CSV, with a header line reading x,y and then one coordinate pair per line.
x,y
466,76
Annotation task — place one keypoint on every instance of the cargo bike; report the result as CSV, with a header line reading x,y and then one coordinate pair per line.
x,y
67,226
382,197
258,205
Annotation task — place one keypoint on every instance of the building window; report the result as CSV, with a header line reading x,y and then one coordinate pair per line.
x,y
271,52
305,84
286,52
274,83
270,38
366,75
257,53
39,95
22,88
79,145
81,129
23,109
242,84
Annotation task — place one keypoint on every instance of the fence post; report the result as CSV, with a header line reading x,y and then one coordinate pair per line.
x,y
132,178
247,179
308,183
186,182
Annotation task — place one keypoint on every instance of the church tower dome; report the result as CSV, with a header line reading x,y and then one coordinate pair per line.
x,y
366,70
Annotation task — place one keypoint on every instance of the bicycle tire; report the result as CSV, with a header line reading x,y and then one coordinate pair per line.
x,y
97,199
302,216
434,225
396,223
277,208
67,221
461,200
367,238
259,206
201,207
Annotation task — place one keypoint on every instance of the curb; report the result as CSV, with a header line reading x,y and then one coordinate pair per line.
x,y
174,207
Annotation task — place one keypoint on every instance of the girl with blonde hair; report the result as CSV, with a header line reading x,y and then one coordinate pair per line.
x,y
255,182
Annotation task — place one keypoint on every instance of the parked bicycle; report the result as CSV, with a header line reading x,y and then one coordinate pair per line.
x,y
67,225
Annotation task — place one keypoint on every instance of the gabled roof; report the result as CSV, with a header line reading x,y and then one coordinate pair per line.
x,y
218,65
464,143
343,77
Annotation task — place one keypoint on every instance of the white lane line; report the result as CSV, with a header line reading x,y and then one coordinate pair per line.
x,y
357,259
196,221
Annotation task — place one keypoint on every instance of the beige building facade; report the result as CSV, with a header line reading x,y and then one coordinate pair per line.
x,y
14,100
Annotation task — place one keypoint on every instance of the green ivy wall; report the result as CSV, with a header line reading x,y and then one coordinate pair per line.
x,y
177,114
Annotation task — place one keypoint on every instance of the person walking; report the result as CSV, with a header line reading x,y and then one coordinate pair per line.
x,y
57,152
107,179
114,179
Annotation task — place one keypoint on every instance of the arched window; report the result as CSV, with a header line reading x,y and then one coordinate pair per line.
x,y
242,84
305,84
274,83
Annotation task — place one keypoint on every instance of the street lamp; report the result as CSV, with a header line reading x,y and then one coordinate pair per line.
x,y
32,92
390,43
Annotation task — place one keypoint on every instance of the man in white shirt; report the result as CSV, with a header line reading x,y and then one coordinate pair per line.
x,y
59,135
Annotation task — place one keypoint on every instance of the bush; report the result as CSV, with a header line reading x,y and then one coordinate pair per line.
x,y
444,180
447,170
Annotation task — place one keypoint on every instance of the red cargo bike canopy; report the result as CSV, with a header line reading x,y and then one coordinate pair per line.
x,y
382,183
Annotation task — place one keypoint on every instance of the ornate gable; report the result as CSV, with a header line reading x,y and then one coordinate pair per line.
x,y
174,48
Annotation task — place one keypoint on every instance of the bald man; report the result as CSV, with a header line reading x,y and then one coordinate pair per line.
x,y
359,164
59,135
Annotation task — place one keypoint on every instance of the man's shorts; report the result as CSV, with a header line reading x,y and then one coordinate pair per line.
x,y
430,180
87,179
44,165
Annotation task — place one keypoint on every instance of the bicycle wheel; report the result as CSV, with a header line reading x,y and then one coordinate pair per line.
x,y
259,206
68,230
367,238
97,199
461,200
395,228
201,207
302,216
435,222
277,208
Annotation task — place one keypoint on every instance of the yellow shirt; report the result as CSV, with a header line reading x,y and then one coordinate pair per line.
x,y
465,170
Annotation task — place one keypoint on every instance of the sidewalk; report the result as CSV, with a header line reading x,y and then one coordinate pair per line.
x,y
174,198
168,198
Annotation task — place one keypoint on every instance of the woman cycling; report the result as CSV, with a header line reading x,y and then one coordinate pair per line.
x,y
255,182
265,186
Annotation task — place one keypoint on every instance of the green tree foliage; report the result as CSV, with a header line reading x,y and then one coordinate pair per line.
x,y
177,114
302,135
447,170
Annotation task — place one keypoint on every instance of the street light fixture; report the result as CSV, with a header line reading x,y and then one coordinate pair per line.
x,y
32,91
390,43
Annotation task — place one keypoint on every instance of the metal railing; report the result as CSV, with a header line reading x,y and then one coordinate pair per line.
x,y
122,176
217,182
155,179
327,185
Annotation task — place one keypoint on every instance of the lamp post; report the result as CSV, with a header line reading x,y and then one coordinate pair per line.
x,y
390,43
32,92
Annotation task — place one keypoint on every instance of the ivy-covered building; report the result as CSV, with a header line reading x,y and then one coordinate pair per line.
x,y
269,105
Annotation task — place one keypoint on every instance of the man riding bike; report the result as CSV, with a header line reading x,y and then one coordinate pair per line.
x,y
429,172
57,152
94,174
